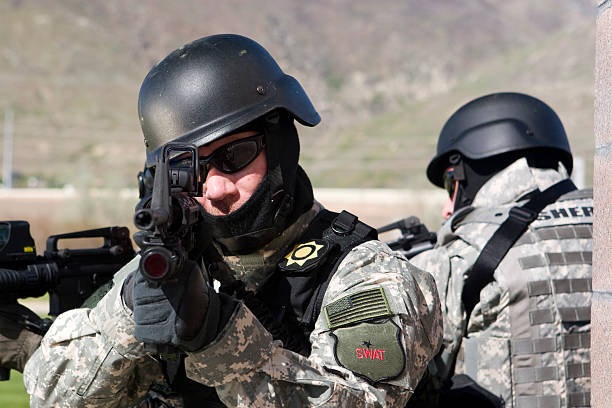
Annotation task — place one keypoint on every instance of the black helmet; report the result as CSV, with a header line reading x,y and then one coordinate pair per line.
x,y
213,86
500,123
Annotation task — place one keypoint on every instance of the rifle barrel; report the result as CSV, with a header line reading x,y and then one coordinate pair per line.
x,y
39,279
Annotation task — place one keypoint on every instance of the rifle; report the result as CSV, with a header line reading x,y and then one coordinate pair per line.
x,y
169,220
70,276
415,237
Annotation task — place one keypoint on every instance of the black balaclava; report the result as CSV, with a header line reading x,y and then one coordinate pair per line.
x,y
282,196
473,174
470,180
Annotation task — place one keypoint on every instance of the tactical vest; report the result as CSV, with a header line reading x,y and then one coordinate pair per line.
x,y
529,336
290,302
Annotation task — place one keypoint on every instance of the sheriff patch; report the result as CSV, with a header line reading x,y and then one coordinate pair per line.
x,y
304,257
567,212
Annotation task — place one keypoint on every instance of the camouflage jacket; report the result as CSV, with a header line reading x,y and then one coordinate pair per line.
x,y
89,357
527,339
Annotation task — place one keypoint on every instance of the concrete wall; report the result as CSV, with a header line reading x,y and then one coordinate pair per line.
x,y
601,312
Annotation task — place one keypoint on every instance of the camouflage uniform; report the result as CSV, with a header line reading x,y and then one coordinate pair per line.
x,y
89,357
527,340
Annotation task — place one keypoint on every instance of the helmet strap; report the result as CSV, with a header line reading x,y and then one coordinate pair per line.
x,y
456,162
291,192
281,185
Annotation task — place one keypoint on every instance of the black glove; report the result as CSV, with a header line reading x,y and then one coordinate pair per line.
x,y
180,314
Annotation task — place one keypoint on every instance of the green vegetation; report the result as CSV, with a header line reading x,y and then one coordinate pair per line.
x,y
12,392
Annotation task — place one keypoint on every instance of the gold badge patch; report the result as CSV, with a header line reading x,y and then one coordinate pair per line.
x,y
305,256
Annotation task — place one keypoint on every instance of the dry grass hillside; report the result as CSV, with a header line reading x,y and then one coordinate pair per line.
x,y
384,75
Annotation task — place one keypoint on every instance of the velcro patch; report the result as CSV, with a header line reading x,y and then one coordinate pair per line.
x,y
365,305
370,350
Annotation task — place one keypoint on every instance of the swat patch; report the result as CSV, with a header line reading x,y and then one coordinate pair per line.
x,y
304,257
370,350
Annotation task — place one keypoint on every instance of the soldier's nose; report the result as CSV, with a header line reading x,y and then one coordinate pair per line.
x,y
218,186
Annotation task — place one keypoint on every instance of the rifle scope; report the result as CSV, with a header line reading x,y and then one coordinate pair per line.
x,y
157,263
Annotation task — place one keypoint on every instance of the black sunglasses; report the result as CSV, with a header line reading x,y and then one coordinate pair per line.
x,y
449,182
229,158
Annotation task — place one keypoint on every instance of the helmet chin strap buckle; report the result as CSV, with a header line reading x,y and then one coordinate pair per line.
x,y
457,163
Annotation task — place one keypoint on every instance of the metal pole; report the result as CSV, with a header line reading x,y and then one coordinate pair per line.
x,y
601,307
7,157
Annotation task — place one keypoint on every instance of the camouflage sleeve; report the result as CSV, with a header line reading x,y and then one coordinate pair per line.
x,y
367,360
89,358
448,264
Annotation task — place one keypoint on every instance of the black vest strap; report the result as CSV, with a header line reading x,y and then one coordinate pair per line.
x,y
502,240
343,231
348,232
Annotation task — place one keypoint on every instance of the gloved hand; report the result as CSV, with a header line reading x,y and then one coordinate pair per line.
x,y
17,340
183,313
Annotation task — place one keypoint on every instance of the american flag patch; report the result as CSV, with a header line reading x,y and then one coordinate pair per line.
x,y
365,305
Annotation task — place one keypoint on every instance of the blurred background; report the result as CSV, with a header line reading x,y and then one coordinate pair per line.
x,y
384,75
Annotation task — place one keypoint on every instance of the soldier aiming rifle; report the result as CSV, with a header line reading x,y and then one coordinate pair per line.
x,y
304,291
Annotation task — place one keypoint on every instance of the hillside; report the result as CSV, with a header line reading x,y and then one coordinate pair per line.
x,y
384,75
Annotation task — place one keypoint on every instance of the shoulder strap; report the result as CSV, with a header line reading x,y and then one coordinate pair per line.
x,y
346,231
502,240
